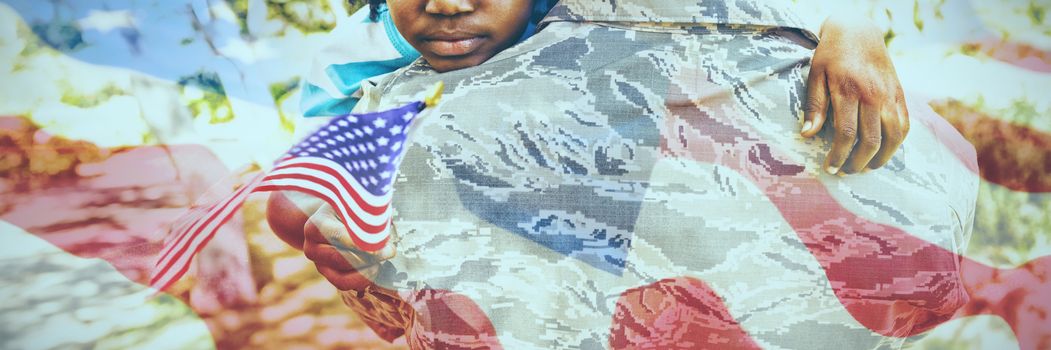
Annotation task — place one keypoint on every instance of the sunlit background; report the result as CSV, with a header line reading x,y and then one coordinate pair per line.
x,y
115,115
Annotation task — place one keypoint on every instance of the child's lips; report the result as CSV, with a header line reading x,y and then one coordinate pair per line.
x,y
454,46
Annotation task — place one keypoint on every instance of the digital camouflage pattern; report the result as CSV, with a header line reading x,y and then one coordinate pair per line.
x,y
769,13
646,187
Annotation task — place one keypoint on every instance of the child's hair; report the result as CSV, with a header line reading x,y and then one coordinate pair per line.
x,y
374,8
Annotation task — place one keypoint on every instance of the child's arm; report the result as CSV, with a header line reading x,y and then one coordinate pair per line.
x,y
852,73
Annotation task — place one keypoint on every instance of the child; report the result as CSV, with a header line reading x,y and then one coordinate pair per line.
x,y
455,34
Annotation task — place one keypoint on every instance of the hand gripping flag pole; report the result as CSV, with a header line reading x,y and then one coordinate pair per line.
x,y
350,163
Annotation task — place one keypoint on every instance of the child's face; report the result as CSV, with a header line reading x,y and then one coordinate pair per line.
x,y
455,34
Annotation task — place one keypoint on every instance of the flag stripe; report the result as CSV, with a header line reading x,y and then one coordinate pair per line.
x,y
369,233
342,174
373,205
208,227
367,246
182,226
193,235
185,230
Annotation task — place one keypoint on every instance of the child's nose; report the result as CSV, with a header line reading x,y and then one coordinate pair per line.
x,y
449,7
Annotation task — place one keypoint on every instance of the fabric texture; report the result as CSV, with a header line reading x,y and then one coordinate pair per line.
x,y
641,184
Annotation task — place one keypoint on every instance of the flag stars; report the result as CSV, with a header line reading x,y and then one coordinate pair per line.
x,y
379,123
367,129
384,159
394,130
382,141
342,122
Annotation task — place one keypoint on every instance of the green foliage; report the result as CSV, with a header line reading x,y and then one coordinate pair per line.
x,y
240,9
282,91
917,19
306,15
1037,13
354,5
212,102
91,99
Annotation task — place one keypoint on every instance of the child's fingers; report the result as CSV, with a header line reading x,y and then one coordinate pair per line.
x,y
286,219
845,120
327,255
327,229
355,280
870,137
893,136
330,228
816,102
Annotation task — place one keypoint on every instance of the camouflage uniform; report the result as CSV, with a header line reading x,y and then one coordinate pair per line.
x,y
633,141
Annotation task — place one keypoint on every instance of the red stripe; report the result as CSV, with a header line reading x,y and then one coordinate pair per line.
x,y
184,231
371,247
181,226
366,227
368,208
186,266
208,237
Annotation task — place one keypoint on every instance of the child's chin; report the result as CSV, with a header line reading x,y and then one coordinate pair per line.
x,y
442,64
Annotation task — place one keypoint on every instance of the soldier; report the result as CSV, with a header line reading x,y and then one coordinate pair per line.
x,y
636,147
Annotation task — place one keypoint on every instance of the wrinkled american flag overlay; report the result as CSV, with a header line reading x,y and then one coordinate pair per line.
x,y
117,116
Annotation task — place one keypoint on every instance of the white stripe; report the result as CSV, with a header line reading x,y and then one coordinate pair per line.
x,y
368,197
318,176
196,216
367,237
198,238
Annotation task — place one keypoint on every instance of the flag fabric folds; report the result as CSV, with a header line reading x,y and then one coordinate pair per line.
x,y
351,163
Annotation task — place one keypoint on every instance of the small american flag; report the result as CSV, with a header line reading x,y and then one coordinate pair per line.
x,y
350,163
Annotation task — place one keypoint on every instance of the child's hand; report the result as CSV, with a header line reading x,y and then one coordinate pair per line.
x,y
852,72
328,244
